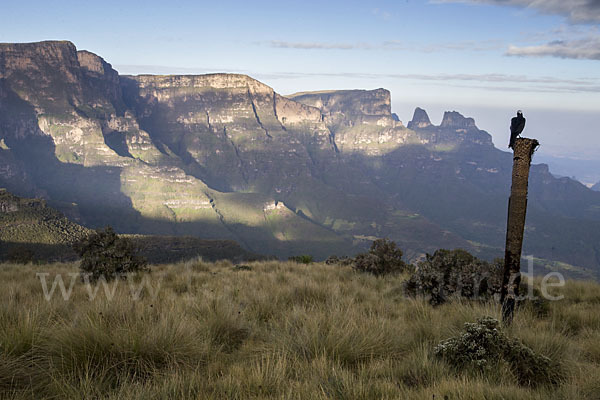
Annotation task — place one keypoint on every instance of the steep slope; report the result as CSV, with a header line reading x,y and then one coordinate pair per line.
x,y
452,175
237,135
473,179
32,221
224,156
596,187
69,134
31,230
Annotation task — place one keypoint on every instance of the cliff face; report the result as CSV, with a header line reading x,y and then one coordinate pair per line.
x,y
360,121
349,103
69,136
224,156
454,131
214,122
420,119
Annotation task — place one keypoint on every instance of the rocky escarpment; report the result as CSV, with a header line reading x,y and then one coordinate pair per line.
x,y
66,113
455,130
351,107
214,122
360,121
420,119
224,156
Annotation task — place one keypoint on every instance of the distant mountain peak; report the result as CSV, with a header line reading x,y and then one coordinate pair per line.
x,y
376,102
596,187
223,156
420,119
454,119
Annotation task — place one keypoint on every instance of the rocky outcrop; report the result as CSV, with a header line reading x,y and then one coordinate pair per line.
x,y
244,122
351,102
351,107
65,112
456,120
420,119
454,130
32,221
27,58
209,156
103,79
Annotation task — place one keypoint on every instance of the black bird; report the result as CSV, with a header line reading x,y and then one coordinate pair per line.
x,y
517,124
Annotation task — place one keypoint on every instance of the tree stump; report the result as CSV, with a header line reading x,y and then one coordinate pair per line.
x,y
515,227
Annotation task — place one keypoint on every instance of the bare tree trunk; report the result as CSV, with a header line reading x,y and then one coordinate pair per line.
x,y
517,208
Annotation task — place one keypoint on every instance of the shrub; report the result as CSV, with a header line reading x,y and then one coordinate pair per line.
x,y
343,260
455,273
105,254
483,345
303,259
383,258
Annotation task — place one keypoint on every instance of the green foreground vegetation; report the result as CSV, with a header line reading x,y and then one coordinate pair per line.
x,y
272,329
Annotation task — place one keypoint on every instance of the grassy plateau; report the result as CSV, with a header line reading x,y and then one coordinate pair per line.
x,y
270,330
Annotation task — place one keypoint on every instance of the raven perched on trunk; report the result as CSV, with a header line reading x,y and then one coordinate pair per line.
x,y
517,124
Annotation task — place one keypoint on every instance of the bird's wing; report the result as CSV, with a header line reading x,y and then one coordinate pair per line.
x,y
513,124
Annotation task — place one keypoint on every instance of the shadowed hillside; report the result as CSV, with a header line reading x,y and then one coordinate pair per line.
x,y
223,156
32,231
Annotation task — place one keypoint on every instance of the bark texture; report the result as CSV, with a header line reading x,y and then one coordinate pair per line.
x,y
517,209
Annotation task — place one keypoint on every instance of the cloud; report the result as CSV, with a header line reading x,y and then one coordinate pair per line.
x,y
318,45
493,82
581,43
469,45
140,69
391,45
583,49
577,11
383,14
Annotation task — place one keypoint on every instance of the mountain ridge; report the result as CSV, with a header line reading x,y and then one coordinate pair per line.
x,y
225,156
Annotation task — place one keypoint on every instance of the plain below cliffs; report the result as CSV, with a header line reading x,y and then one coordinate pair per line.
x,y
224,156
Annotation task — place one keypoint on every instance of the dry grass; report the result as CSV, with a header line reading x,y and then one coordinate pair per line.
x,y
278,331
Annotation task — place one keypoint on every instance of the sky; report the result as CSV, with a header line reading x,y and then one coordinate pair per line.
x,y
483,58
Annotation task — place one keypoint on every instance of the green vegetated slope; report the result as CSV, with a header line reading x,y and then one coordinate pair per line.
x,y
224,156
32,231
277,330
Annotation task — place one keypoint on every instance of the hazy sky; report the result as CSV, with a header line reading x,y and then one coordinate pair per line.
x,y
484,58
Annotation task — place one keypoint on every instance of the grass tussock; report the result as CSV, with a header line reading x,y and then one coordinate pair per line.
x,y
274,330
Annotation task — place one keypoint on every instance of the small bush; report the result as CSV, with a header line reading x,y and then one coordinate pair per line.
x,y
303,259
335,260
383,258
483,345
105,254
455,273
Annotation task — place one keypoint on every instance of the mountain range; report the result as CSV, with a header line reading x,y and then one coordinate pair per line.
x,y
223,156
